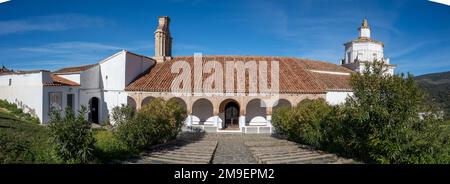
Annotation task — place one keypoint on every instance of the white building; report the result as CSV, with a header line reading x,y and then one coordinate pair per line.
x,y
135,80
37,92
364,49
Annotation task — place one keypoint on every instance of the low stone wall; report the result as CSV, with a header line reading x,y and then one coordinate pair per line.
x,y
215,129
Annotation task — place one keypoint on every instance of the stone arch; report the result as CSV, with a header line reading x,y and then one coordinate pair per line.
x,y
229,113
179,101
147,100
225,102
94,110
282,103
256,112
304,100
131,102
202,112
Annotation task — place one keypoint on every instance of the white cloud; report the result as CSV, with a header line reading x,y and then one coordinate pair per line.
x,y
53,56
69,47
52,23
446,2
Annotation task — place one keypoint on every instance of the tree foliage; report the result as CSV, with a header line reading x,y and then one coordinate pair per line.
x,y
72,136
379,123
156,122
303,122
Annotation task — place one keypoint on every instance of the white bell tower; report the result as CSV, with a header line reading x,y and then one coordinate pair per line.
x,y
364,49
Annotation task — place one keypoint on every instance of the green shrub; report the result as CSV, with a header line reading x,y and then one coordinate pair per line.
x,y
157,122
281,120
303,123
72,137
380,123
122,114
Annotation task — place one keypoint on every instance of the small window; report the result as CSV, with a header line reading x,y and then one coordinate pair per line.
x,y
55,101
10,82
70,100
349,57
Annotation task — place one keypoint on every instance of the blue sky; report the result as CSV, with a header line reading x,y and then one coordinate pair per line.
x,y
50,34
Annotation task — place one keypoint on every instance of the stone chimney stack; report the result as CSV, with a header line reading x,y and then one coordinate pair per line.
x,y
163,40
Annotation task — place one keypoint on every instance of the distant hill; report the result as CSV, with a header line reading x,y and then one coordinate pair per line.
x,y
437,85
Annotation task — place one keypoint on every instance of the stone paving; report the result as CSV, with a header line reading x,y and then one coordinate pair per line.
x,y
223,148
232,150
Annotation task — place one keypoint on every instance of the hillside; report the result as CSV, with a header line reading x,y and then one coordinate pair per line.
x,y
437,85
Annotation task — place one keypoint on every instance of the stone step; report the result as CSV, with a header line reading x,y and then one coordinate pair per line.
x,y
284,154
184,152
184,155
275,148
307,155
193,145
271,144
188,149
154,160
180,159
279,151
298,160
327,160
344,161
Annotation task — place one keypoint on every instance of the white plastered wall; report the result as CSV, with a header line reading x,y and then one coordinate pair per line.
x,y
25,91
64,90
337,97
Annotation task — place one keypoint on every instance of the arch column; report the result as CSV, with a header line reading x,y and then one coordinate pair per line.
x,y
138,101
216,106
189,105
269,110
242,113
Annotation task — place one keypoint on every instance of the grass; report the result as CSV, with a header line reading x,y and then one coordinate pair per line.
x,y
23,142
108,148
11,110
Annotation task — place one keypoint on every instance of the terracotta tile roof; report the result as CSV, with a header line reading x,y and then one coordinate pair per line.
x,y
60,81
295,74
77,69
331,82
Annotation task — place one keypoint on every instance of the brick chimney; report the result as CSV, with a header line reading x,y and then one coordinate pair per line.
x,y
163,40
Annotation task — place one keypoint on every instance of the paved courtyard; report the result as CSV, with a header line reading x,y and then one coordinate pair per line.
x,y
202,148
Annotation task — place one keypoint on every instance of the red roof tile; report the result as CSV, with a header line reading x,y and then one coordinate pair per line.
x,y
295,74
60,81
77,69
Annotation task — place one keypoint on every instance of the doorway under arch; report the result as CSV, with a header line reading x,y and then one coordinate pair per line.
x,y
94,110
231,112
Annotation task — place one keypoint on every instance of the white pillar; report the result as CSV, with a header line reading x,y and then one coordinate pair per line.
x,y
217,122
189,120
241,122
269,120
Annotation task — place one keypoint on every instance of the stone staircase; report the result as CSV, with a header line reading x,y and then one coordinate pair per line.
x,y
187,149
204,148
275,151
